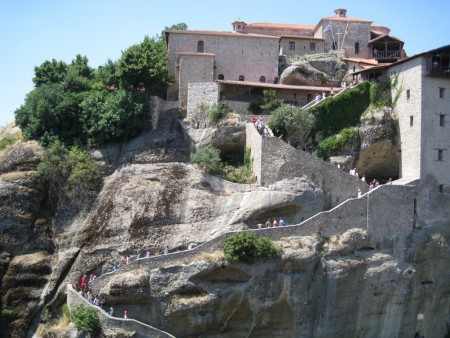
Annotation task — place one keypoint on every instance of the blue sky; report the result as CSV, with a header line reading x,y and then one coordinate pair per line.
x,y
32,31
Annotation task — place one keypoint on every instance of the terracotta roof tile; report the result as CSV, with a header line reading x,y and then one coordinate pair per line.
x,y
344,18
277,86
220,33
361,60
280,25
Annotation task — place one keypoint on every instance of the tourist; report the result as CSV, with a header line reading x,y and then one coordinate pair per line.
x,y
363,178
282,223
125,314
103,303
268,223
111,311
324,95
148,254
190,246
331,92
359,193
83,283
275,223
96,301
166,250
253,119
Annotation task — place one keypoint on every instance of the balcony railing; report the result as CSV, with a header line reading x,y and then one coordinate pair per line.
x,y
389,54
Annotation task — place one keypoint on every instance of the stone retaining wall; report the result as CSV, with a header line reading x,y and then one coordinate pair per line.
x,y
142,330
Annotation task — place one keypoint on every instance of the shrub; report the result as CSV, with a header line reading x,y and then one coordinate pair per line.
x,y
246,247
6,312
85,319
217,112
207,158
255,108
70,173
335,142
9,140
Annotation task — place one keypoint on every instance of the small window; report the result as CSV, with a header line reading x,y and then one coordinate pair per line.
x,y
441,93
334,45
291,45
442,120
411,121
200,47
440,154
241,77
441,188
312,46
408,94
262,79
357,48
221,77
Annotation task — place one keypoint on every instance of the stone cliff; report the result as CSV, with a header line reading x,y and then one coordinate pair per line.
x,y
342,283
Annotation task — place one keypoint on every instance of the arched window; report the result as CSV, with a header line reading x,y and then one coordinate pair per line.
x,y
262,79
200,47
357,48
221,77
241,77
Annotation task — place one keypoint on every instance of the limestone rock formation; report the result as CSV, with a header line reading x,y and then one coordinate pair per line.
x,y
317,70
152,197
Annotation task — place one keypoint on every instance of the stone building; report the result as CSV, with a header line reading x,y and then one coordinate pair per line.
x,y
423,110
252,52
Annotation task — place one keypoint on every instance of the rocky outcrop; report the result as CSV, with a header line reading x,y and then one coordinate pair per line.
x,y
310,291
316,70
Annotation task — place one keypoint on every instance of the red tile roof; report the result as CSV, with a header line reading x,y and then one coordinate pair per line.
x,y
277,86
219,33
361,60
280,25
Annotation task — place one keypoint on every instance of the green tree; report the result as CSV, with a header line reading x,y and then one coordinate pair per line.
x,y
106,76
49,72
217,112
117,115
271,101
293,123
143,67
50,113
85,319
81,67
208,158
246,247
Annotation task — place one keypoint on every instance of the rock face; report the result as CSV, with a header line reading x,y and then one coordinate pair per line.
x,y
154,197
317,70
321,287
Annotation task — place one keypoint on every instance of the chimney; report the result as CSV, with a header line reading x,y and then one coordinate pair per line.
x,y
340,12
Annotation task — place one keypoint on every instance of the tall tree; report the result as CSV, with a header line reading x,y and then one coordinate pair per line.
x,y
49,72
143,67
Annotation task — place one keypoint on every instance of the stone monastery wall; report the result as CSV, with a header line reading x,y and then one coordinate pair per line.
x,y
274,160
206,92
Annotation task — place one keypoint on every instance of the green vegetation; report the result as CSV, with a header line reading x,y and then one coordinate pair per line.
x,y
269,104
336,142
342,111
240,173
79,105
247,247
9,140
208,158
69,172
85,319
294,123
380,92
6,312
218,112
